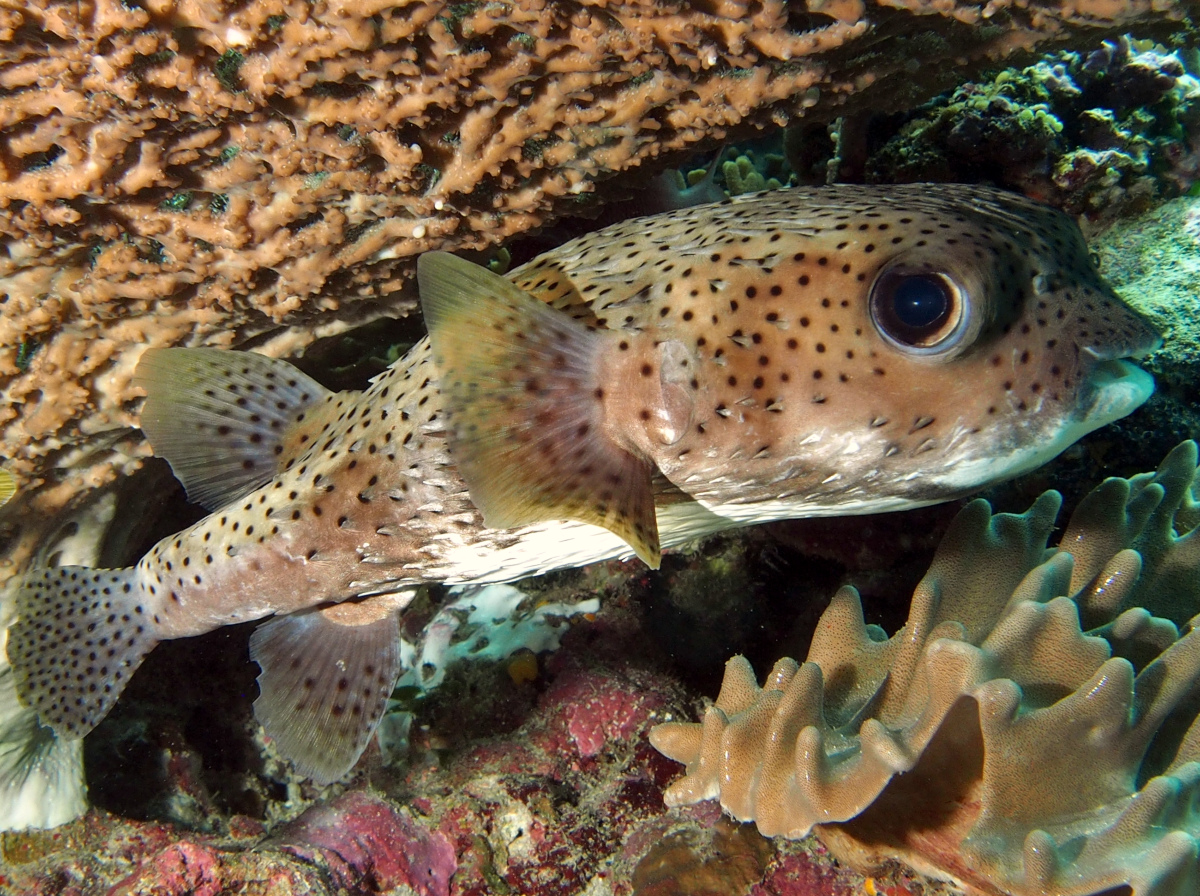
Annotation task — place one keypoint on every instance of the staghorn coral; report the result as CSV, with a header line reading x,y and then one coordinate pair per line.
x,y
219,173
993,739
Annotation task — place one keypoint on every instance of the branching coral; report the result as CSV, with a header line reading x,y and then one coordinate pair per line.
x,y
216,172
993,739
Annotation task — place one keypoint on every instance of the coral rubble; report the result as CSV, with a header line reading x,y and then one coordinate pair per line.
x,y
1009,736
211,172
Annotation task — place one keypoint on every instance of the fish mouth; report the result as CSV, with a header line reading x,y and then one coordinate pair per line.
x,y
1116,387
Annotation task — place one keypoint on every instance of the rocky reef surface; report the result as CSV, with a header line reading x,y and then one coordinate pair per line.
x,y
1101,133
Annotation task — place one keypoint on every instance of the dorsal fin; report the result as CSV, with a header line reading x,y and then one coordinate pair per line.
x,y
520,382
219,417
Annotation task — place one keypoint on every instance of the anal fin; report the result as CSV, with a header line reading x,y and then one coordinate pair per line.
x,y
325,681
521,384
220,418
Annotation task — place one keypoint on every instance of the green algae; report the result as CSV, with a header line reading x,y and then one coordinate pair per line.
x,y
1095,132
26,349
226,70
177,202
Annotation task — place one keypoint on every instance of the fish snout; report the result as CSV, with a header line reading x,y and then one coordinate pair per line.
x,y
1110,384
1131,335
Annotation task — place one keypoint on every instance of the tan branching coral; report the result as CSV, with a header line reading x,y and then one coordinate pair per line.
x,y
993,740
218,172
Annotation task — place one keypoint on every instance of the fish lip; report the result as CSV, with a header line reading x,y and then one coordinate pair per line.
x,y
1110,370
1115,388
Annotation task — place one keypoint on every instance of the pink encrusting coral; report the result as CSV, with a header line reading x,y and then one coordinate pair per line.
x,y
995,739
368,845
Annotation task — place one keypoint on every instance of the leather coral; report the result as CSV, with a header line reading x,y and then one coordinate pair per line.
x,y
995,739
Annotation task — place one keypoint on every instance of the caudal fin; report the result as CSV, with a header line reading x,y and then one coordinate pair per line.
x,y
80,634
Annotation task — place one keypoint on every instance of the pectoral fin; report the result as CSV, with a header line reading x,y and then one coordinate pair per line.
x,y
520,382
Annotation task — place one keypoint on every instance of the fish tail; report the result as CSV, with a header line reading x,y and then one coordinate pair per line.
x,y
521,384
80,634
41,776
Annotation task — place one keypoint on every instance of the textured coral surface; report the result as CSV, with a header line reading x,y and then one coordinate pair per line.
x,y
1155,261
1101,132
208,172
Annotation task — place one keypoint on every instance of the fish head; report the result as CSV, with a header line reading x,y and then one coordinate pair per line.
x,y
905,347
802,352
1022,346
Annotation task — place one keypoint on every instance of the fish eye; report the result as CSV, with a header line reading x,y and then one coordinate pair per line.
x,y
917,309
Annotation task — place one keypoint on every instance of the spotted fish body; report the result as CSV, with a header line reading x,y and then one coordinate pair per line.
x,y
830,351
747,360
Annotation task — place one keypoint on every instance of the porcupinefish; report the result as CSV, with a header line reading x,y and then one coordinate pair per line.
x,y
805,352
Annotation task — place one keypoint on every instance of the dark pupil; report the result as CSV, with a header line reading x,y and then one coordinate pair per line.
x,y
919,301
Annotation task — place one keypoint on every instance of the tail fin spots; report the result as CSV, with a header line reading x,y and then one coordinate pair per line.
x,y
80,634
